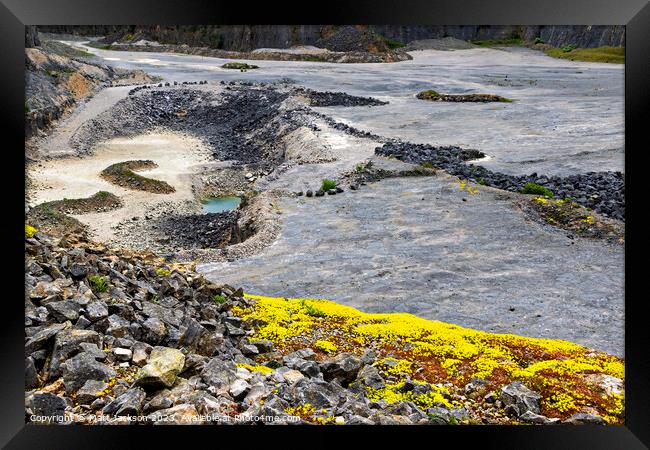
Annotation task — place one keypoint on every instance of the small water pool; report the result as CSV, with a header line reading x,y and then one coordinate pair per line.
x,y
220,204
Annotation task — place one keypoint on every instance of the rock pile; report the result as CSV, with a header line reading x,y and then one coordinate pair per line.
x,y
317,98
604,192
211,230
120,336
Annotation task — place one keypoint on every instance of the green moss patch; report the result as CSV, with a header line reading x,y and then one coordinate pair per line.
x,y
615,55
498,42
434,96
536,189
239,66
122,174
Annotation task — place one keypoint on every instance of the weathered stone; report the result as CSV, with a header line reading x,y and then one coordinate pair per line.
x,y
531,417
521,398
122,354
84,367
239,388
153,331
219,374
371,377
41,338
292,376
344,367
67,344
584,418
96,311
31,375
162,368
128,404
47,405
141,352
90,391
263,346
63,310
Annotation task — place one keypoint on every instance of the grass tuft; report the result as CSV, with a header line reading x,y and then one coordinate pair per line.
x,y
98,283
534,188
326,185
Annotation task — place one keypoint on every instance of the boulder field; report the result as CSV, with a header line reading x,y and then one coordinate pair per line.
x,y
114,336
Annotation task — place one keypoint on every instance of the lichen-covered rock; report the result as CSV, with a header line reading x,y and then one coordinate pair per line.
x,y
83,367
520,398
90,391
128,404
162,368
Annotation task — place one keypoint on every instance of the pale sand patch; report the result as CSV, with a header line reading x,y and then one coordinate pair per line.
x,y
178,156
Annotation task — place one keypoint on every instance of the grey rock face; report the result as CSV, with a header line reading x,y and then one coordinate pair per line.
x,y
129,403
84,367
520,398
48,405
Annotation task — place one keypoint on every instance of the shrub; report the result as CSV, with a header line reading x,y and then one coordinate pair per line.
x,y
220,299
326,185
30,231
534,188
568,48
98,283
538,40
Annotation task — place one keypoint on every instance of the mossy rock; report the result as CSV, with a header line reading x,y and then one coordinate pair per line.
x,y
239,66
434,96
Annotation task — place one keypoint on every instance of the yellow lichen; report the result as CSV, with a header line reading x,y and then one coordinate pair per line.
x,y
325,346
436,353
251,368
30,231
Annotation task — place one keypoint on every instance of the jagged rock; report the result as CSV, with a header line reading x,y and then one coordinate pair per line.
x,y
122,354
239,389
128,404
67,344
154,331
96,311
292,376
584,418
84,367
41,338
141,352
344,367
162,368
90,391
31,375
371,377
47,405
531,417
520,398
219,374
63,310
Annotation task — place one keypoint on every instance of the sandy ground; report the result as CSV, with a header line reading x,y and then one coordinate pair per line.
x,y
178,158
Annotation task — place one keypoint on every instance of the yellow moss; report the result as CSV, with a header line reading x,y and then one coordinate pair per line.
x,y
394,392
325,346
163,272
251,368
30,231
438,352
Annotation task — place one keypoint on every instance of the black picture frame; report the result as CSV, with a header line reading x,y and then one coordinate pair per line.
x,y
15,14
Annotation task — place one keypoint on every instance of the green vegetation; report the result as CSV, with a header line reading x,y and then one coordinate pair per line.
x,y
220,299
615,55
534,188
98,283
239,66
392,44
27,110
122,174
429,94
326,185
427,165
436,96
538,40
498,42
163,272
311,310
101,201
